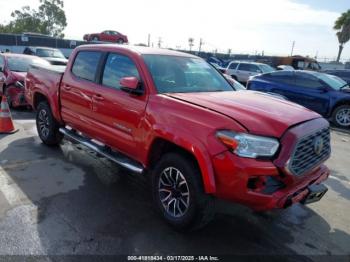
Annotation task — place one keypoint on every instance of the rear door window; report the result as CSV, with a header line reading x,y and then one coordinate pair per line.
x,y
307,81
248,67
118,66
283,77
85,65
233,65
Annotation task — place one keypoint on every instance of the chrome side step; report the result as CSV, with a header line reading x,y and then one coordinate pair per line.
x,y
116,157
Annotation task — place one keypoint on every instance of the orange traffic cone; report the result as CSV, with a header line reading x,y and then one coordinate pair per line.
x,y
6,124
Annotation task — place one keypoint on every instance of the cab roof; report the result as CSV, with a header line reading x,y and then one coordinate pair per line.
x,y
138,49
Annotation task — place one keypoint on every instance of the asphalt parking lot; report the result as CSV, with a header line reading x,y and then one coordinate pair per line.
x,y
68,201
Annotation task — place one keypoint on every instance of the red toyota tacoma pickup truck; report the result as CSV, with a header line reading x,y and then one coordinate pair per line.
x,y
173,117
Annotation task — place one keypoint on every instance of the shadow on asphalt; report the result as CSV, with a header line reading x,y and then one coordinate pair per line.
x,y
107,215
334,182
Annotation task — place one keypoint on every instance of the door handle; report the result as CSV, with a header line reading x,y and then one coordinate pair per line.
x,y
66,87
99,97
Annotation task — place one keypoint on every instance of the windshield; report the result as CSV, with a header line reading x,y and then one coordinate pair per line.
x,y
266,68
22,64
333,81
174,74
49,53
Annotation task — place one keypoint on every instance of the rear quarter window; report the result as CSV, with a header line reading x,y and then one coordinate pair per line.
x,y
85,65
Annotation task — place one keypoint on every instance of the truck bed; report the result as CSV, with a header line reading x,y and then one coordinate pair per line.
x,y
45,81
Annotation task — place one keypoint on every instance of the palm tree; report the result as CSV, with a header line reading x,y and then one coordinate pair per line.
x,y
342,25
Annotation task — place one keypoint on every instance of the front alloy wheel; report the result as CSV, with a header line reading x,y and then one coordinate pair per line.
x,y
174,192
341,116
178,192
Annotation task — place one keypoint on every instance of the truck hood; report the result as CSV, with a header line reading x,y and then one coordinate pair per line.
x,y
261,114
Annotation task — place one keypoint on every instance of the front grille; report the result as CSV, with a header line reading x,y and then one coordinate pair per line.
x,y
307,154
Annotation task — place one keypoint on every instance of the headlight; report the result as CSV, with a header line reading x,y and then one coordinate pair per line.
x,y
19,84
250,146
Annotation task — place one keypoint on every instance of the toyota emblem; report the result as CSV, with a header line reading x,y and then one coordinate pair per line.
x,y
318,145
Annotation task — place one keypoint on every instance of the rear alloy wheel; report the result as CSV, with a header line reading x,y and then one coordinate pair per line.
x,y
47,126
341,116
120,41
178,193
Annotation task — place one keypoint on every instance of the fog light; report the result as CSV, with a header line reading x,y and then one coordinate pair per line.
x,y
257,183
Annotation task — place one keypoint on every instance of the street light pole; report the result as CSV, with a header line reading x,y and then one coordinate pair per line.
x,y
200,45
291,53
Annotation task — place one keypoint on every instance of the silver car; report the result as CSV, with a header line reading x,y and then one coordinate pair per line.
x,y
242,71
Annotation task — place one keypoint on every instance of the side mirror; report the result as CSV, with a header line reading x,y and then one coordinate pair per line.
x,y
131,84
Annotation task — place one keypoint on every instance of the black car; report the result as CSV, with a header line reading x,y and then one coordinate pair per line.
x,y
342,73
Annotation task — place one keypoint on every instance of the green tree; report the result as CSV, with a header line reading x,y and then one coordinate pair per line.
x,y
49,19
342,26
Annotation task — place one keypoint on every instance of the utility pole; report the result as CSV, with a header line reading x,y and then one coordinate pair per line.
x,y
291,53
149,40
200,45
190,43
159,42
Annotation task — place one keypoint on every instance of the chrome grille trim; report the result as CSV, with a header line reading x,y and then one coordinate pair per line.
x,y
304,157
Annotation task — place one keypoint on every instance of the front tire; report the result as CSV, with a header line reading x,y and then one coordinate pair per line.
x,y
341,116
95,38
178,193
47,126
120,41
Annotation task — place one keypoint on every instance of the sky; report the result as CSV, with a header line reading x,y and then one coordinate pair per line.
x,y
244,26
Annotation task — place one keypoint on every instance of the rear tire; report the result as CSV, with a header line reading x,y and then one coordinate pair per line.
x,y
47,126
120,41
178,193
341,116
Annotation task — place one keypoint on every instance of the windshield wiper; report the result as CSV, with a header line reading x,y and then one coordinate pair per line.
x,y
343,86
